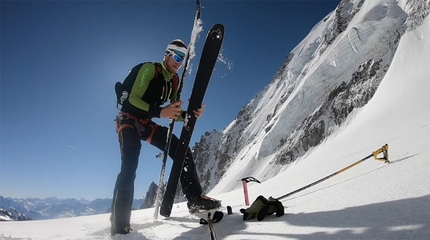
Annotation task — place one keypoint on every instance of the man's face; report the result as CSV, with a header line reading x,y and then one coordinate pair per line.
x,y
171,65
173,61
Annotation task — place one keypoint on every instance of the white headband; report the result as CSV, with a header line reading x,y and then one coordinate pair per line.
x,y
177,48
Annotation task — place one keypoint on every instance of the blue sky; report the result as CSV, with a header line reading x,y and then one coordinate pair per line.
x,y
61,59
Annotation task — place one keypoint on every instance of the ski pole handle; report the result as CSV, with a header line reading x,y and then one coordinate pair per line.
x,y
384,151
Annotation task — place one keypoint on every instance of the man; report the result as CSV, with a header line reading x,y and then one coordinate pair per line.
x,y
152,85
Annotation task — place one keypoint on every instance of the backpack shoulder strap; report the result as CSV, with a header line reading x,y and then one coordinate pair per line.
x,y
175,82
158,68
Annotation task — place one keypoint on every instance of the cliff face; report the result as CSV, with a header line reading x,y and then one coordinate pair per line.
x,y
335,70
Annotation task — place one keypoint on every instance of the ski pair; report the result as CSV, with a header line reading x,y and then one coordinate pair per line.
x,y
217,216
165,154
207,62
211,49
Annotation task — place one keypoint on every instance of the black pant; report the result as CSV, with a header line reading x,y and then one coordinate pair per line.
x,y
130,143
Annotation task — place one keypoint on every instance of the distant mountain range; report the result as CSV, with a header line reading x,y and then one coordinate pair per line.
x,y
52,207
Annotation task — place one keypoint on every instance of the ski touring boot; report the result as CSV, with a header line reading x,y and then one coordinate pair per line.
x,y
203,204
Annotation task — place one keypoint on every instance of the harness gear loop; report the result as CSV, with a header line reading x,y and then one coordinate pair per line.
x,y
139,124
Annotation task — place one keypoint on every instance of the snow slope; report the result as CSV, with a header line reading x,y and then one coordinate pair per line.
x,y
336,68
373,200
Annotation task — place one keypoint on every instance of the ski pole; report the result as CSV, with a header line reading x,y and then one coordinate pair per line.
x,y
211,227
245,187
383,150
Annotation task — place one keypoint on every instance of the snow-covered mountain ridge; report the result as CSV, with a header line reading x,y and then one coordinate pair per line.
x,y
36,208
335,70
12,214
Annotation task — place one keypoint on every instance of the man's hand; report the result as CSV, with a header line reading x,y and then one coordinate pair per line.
x,y
198,113
172,111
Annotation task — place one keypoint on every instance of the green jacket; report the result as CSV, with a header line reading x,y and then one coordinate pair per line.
x,y
149,92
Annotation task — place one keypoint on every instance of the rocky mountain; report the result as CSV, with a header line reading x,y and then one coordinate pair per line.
x,y
150,196
12,214
47,208
335,70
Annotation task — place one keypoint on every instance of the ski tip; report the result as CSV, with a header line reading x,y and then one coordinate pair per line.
x,y
217,32
203,221
217,216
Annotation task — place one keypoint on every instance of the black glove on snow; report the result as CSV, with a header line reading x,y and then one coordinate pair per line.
x,y
262,207
275,206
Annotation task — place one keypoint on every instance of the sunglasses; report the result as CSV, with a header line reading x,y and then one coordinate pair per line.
x,y
176,55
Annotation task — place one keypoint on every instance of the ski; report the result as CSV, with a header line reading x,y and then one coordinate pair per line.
x,y
207,62
165,154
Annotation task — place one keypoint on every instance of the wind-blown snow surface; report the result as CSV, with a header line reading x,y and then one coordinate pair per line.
x,y
372,200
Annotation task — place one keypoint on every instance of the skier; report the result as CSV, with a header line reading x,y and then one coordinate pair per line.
x,y
153,84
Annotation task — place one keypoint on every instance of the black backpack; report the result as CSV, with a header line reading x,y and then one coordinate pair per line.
x,y
123,89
